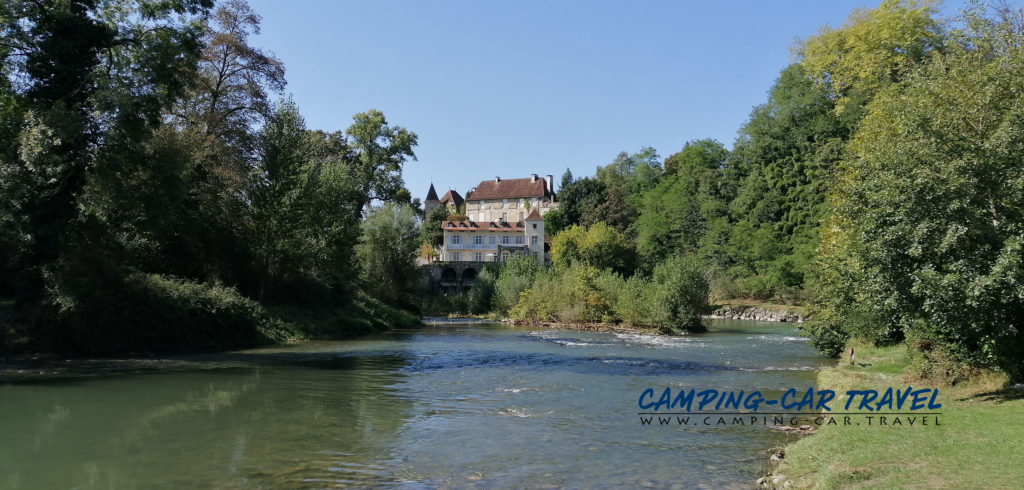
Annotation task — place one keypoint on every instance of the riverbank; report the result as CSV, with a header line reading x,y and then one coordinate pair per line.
x,y
266,324
586,327
759,311
980,442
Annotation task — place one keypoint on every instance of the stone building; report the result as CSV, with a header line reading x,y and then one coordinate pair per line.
x,y
503,217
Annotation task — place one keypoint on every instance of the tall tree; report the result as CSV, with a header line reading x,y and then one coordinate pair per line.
x,y
927,231
380,151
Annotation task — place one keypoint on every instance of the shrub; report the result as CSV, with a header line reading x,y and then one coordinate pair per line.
x,y
516,276
127,310
682,288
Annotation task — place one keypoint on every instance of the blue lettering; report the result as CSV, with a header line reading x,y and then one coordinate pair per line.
x,y
932,405
901,398
885,401
648,392
825,397
754,400
791,391
684,399
706,397
918,401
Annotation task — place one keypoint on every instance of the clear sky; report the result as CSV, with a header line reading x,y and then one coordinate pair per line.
x,y
510,88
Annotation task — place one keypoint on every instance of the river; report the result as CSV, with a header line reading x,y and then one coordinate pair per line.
x,y
475,405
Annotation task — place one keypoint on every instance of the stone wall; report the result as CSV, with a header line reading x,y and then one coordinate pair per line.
x,y
758,314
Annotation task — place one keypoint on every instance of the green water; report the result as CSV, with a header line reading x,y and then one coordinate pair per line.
x,y
457,405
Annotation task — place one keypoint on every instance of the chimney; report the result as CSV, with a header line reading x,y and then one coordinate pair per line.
x,y
550,179
497,179
533,177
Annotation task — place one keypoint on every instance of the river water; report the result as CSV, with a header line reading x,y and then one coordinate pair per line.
x,y
475,405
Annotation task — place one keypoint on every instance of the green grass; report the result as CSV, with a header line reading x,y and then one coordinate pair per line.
x,y
980,443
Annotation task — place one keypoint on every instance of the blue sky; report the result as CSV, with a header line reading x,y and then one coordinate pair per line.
x,y
512,88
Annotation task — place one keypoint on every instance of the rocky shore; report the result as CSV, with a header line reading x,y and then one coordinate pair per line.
x,y
758,314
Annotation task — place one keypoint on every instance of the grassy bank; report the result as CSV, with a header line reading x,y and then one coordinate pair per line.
x,y
979,444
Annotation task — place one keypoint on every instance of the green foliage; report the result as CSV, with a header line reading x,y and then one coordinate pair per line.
x,y
926,233
481,295
137,311
873,49
581,293
516,275
380,150
578,293
682,291
600,246
387,252
431,230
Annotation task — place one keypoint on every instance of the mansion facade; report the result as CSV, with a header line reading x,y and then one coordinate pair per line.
x,y
502,217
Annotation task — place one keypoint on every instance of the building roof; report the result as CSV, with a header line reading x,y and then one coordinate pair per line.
x,y
468,225
534,216
510,189
431,194
453,198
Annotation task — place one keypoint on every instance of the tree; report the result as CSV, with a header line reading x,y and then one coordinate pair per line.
x,y
93,81
380,152
927,224
701,154
599,246
431,232
278,191
231,95
872,49
387,252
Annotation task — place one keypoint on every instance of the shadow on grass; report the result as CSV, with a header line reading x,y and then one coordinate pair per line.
x,y
997,396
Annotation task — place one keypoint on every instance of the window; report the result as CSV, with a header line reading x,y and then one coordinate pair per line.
x,y
456,239
478,240
533,239
519,240
520,216
504,239
535,256
490,239
478,256
455,256
535,226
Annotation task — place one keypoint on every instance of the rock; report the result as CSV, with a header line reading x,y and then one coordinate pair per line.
x,y
777,456
759,314
788,484
762,481
778,479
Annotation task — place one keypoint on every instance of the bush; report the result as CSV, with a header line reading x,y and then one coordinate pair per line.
x,y
127,310
516,275
482,292
576,294
682,287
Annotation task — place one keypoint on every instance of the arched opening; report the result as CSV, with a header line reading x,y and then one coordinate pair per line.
x,y
468,276
448,275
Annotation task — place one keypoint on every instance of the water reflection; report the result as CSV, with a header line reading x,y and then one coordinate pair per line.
x,y
273,420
